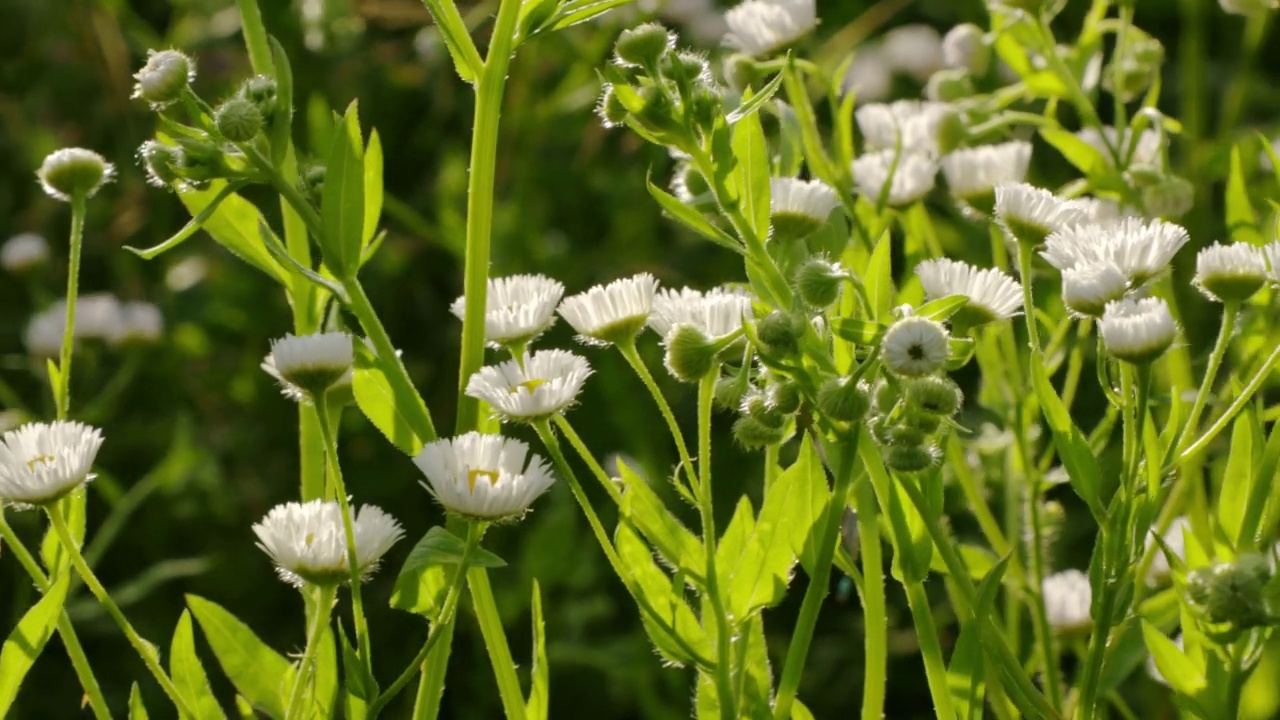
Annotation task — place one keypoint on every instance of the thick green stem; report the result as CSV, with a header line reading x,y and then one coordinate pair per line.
x,y
148,652
475,531
1086,704
876,642
802,635
62,393
632,357
325,596
935,666
724,652
426,703
1028,303
495,640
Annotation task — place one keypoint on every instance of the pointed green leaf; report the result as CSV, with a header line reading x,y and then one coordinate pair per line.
x,y
1238,478
692,219
1072,444
573,13
397,412
259,673
1087,159
966,676
756,101
642,508
750,177
360,688
942,308
373,191
441,547
1242,223
669,621
1176,668
861,332
192,226
27,640
879,279
342,207
282,118
234,226
137,711
188,674
540,673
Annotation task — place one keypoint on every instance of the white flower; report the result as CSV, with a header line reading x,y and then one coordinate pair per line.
x,y
916,123
1175,538
964,46
1142,153
99,316
1137,331
716,313
992,295
915,346
612,313
1230,272
1102,210
140,322
1272,253
1029,214
43,462
533,388
43,336
914,49
972,172
798,207
912,177
314,363
1088,287
868,76
23,252
483,476
308,543
518,308
1067,596
759,27
1141,249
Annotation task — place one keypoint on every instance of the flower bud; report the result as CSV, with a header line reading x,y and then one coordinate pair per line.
x,y
689,185
706,106
1170,198
926,423
965,47
843,400
784,396
934,395
904,458
818,282
950,85
753,434
261,91
1232,593
730,389
610,109
164,77
951,133
311,181
162,163
238,120
657,113
644,45
690,355
72,173
757,406
778,333
684,68
886,396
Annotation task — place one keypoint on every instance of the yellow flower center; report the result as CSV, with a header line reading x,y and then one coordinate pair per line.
x,y
529,385
41,460
473,474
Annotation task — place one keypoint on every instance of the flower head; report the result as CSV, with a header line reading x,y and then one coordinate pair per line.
x,y
518,308
312,363
74,172
915,346
43,462
608,314
914,49
906,178
1137,331
1230,272
1067,597
1089,286
920,126
43,335
1029,214
992,295
483,476
760,27
164,77
308,543
23,252
533,388
798,207
1141,249
965,46
975,172
716,313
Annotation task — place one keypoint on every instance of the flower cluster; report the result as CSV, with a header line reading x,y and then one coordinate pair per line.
x,y
99,316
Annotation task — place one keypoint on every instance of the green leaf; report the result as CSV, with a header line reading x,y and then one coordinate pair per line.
x,y
573,13
667,618
1263,501
359,686
466,59
913,548
234,226
879,279
647,514
137,711
966,676
540,673
190,228
755,102
1238,479
282,119
861,332
398,413
441,547
342,207
749,181
1072,444
55,558
373,192
1087,159
424,579
1176,667
188,674
422,593
692,219
942,308
27,640
259,673
324,691
1242,223
534,16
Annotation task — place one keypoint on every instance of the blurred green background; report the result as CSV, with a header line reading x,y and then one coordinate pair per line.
x,y
199,443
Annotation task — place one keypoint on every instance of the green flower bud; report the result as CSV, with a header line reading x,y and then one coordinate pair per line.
x,y
754,435
610,109
911,458
163,163
818,282
904,434
706,106
261,91
685,68
730,389
1232,594
164,77
311,181
238,120
934,395
784,396
644,45
72,173
1170,198
926,423
778,333
690,355
689,185
886,396
950,85
843,400
1198,587
1134,67
657,113
758,407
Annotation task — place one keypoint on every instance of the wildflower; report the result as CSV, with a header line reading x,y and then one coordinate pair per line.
x,y
844,400
868,76
163,78
613,313
991,295
532,388
312,363
1232,593
717,313
139,322
238,119
163,164
518,309
799,207
937,396
915,346
965,47
1137,331
1089,286
906,178
914,49
643,45
973,173
818,281
483,476
41,463
99,316
308,543
920,126
1067,596
761,27
72,173
43,335
1175,539
1029,214
23,252
912,457
1230,272
1142,249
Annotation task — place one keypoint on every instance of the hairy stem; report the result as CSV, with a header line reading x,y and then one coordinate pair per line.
x,y
324,610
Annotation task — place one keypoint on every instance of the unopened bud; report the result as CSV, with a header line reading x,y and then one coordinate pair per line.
x,y
818,282
934,395
690,355
644,45
753,434
778,333
164,77
610,109
886,396
784,396
72,173
843,400
238,120
261,91
911,458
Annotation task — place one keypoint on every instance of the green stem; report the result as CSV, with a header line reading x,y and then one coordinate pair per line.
x,y
1235,680
63,391
475,531
324,609
1028,302
724,654
632,357
490,87
1039,615
1230,314
584,453
935,667
348,528
495,640
1086,703
1246,395
873,601
426,703
802,635
255,37
148,652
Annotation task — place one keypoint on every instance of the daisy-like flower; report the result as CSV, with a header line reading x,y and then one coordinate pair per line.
x,y
912,177
798,207
99,316
1142,249
915,346
1175,538
973,173
1142,152
1272,253
534,388
41,463
1137,331
868,76
916,123
992,295
518,309
1100,210
1067,597
71,172
140,322
613,313
1230,272
308,543
483,476
965,46
312,363
1088,287
716,313
23,252
761,27
1029,214
164,77
914,49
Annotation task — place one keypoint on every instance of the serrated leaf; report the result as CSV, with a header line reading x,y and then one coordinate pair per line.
x,y
234,226
259,673
678,637
397,412
188,673
466,59
27,640
675,543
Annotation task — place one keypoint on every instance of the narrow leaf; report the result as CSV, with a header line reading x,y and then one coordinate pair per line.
x,y
1242,223
756,101
540,673
27,640
342,202
258,673
750,176
692,219
234,226
188,674
373,191
1072,444
190,228
397,412
137,710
